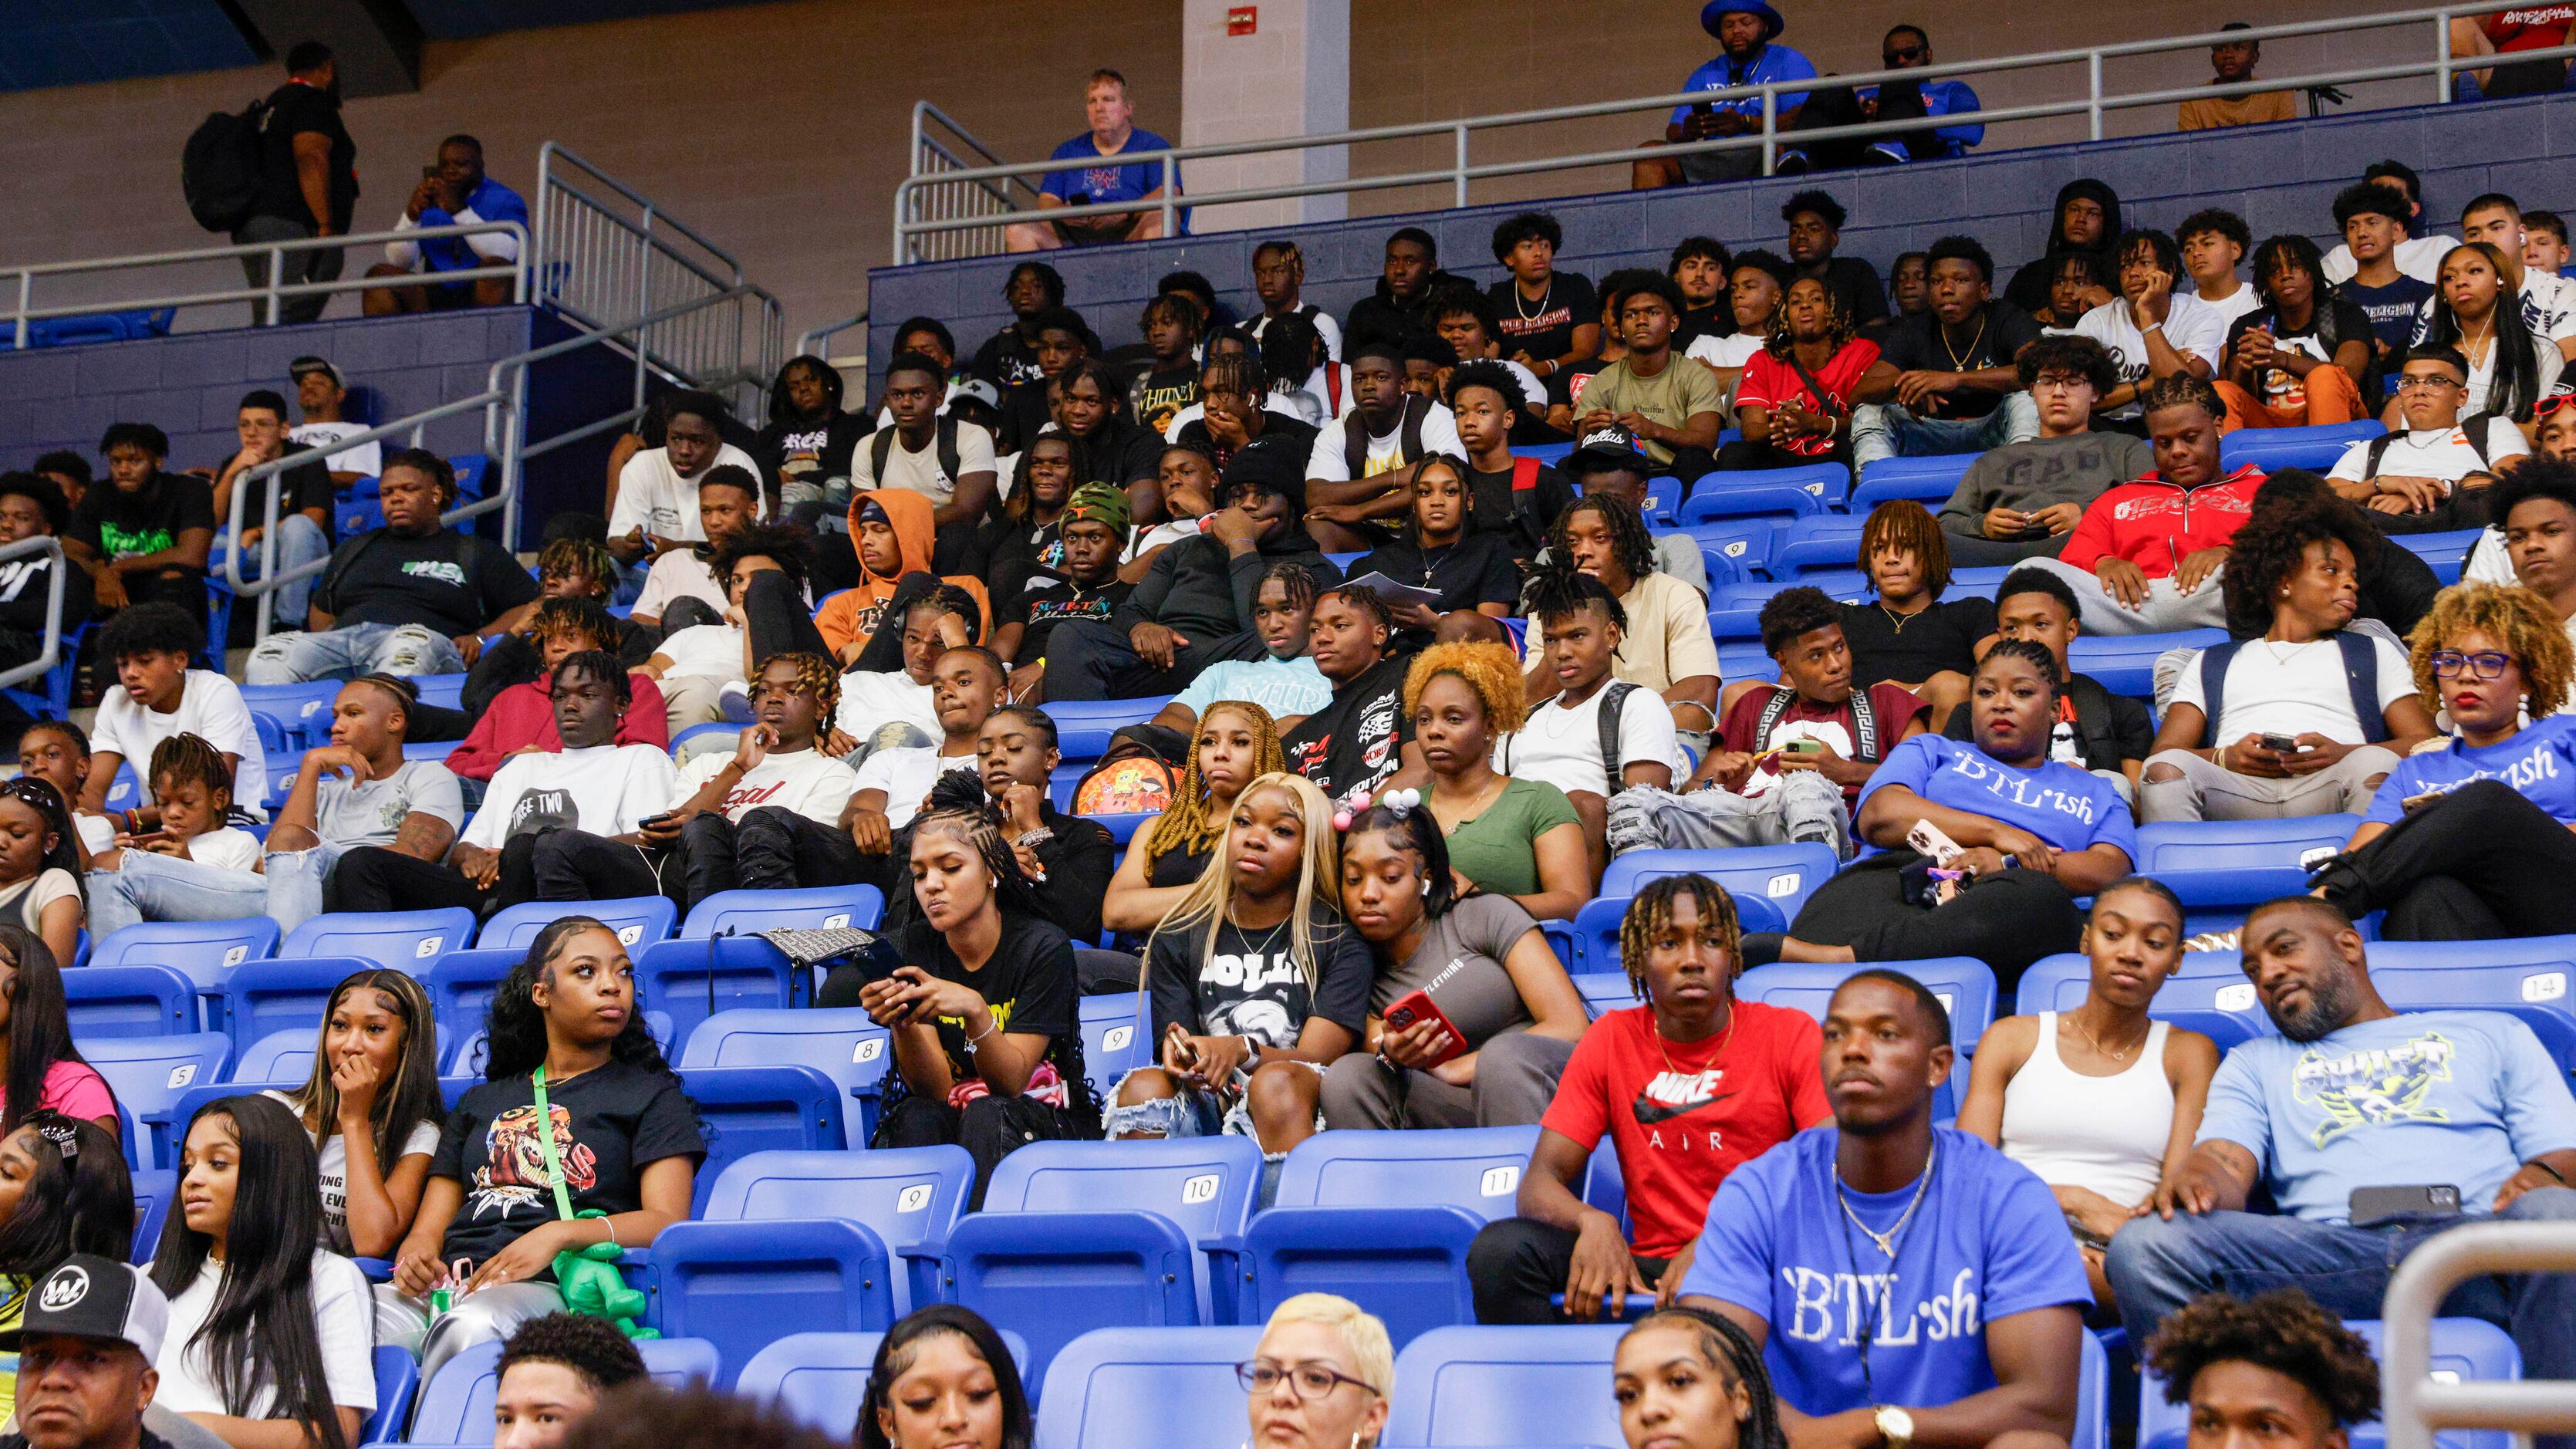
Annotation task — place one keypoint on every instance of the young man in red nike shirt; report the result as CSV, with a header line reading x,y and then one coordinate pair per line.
x,y
1689,1086
2145,557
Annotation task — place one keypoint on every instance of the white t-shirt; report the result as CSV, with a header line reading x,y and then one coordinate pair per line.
x,y
2488,563
210,707
344,1320
906,776
2192,326
872,700
1562,747
2442,453
605,789
365,460
2295,689
678,574
230,848
920,471
1325,326
809,782
1733,350
2548,309
2547,364
651,493
1325,462
372,813
2230,307
2418,257
423,1142
98,833
713,651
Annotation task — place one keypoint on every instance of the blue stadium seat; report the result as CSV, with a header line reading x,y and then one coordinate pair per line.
x,y
1830,544
280,1056
1083,727
1928,481
1784,875
305,709
455,1406
1078,1235
148,1074
1114,1042
840,1043
640,921
821,1379
1744,659
1605,991
689,980
739,912
1826,483
910,1197
1113,1388
1750,500
136,999
1470,1387
2127,666
404,940
1552,454
740,1284
2219,1005
397,1380
261,998
1745,543
2273,449
2221,868
153,1189
1965,986
204,951
2465,1349
461,984
2092,1396
1596,927
753,1109
2446,552
2527,978
444,690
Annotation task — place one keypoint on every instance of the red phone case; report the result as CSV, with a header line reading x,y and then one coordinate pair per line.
x,y
1416,1006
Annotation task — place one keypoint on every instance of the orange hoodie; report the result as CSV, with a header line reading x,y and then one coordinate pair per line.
x,y
850,616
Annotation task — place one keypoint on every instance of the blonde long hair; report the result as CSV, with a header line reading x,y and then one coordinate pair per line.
x,y
1211,898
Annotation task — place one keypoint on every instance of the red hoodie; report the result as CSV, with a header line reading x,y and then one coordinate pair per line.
x,y
524,715
2156,525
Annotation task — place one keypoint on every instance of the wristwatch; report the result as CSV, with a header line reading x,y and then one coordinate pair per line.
x,y
1895,1426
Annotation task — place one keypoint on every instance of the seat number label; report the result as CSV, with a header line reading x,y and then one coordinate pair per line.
x,y
1201,1188
1500,1180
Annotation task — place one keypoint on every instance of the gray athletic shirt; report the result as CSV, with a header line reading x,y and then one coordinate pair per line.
x,y
1460,962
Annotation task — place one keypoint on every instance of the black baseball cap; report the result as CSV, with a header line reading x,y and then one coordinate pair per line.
x,y
309,363
1606,448
88,1296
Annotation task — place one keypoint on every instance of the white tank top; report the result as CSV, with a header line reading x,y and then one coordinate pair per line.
x,y
2103,1133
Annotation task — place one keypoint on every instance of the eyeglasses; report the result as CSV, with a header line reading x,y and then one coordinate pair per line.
x,y
1313,1380
2450,662
2426,382
1902,55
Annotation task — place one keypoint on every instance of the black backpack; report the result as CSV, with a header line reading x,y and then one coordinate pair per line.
x,y
221,168
943,437
2473,429
1408,444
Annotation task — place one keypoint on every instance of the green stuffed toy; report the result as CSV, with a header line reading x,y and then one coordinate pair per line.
x,y
591,1284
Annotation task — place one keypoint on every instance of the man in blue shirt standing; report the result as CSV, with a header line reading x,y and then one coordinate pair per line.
x,y
1746,56
1113,132
2352,1095
453,192
1908,1282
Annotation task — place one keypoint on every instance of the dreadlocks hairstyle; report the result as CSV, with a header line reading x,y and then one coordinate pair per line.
x,y
1417,831
960,807
2178,390
80,1198
2284,1331
2518,619
2272,545
815,675
1296,579
560,618
187,759
408,1098
1907,526
1292,346
516,1028
1560,590
1839,330
1021,506
2291,250
1236,372
1650,914
1732,1353
564,557
1491,671
1189,826
1634,547
1319,875
40,1032
950,599
1178,307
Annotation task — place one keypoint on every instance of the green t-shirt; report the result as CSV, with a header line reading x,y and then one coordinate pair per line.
x,y
1498,850
1670,397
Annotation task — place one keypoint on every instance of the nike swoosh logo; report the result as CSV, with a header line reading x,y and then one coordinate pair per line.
x,y
1649,1112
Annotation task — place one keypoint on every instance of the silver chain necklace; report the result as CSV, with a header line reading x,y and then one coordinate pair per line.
x,y
1886,1241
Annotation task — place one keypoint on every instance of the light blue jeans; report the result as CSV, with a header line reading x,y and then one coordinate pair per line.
x,y
299,541
352,650
1891,430
149,887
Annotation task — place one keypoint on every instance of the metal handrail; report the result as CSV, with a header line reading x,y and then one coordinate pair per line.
x,y
274,292
2094,104
2413,1404
807,342
52,653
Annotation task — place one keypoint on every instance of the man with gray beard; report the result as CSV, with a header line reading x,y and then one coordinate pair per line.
x,y
2352,1110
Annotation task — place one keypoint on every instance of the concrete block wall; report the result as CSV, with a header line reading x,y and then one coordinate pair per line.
x,y
2279,178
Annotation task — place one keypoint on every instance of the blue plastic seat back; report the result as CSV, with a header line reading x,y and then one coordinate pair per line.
x,y
1748,500
1928,481
1605,991
2464,1350
304,709
1052,1275
738,1285
455,1405
1202,1185
1083,727
909,1196
2528,979
2313,448
1745,543
1784,875
1476,1168
461,985
1966,988
153,1189
2092,1396
1406,1265
204,951
288,993
1473,1386
447,691
405,940
1828,543
1114,1040
757,1109
2126,665
692,979
397,1381
280,1056
136,999
2218,846
841,1043
639,921
1825,482
2223,1008
1114,1388
743,912
1596,925
148,1074
821,1379
2446,552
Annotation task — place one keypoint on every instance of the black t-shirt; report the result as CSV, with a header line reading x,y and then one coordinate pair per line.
x,y
1029,985
1009,360
1717,319
1920,344
610,1123
2129,732
1122,453
126,525
452,582
1545,329
1154,397
1520,519
1038,611
25,586
1357,741
2391,309
1855,284
2332,322
308,485
1944,636
1477,569
1249,983
809,452
296,109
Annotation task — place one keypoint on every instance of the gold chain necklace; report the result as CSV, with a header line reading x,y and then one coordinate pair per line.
x,y
1958,363
1728,1035
2096,1042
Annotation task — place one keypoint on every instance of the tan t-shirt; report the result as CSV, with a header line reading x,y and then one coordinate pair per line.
x,y
1670,397
1667,638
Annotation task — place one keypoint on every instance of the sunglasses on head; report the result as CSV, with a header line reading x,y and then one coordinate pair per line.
x,y
2551,404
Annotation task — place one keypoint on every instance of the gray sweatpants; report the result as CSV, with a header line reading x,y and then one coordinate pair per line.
x,y
2205,791
1516,1076
2164,610
1800,805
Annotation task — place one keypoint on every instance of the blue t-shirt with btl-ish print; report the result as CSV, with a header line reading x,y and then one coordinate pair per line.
x,y
1986,1242
2070,808
2539,763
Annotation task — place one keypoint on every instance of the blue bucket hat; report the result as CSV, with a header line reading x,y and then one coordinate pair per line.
x,y
1772,24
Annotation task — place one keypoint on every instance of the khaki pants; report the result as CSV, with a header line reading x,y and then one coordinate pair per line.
x,y
2204,791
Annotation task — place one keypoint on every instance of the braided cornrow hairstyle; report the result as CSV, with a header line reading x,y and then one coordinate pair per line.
x,y
959,805
1731,1351
1296,579
1187,826
1368,601
817,676
1628,535
1652,910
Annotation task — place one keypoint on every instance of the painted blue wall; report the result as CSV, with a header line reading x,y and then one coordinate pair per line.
x,y
2278,177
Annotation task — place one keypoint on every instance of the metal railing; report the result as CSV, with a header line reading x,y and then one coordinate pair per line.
x,y
2412,1403
274,293
811,343
914,220
958,201
52,653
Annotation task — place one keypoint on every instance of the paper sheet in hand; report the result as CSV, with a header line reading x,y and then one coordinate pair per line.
x,y
1398,594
